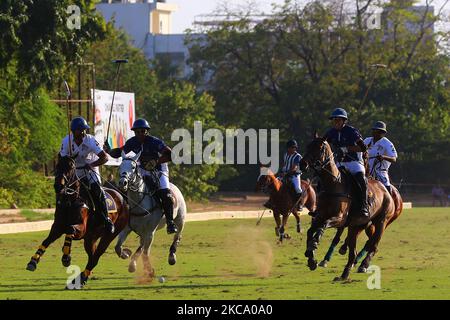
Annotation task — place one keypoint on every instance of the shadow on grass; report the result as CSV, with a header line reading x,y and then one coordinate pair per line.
x,y
138,287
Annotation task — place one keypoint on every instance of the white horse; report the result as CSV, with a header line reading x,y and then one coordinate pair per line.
x,y
146,216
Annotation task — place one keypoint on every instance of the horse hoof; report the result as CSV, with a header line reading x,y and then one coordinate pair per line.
x,y
338,279
31,266
312,264
362,269
172,259
66,259
126,253
323,263
342,251
132,267
287,236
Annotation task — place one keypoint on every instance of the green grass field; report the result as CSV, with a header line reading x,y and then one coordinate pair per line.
x,y
235,259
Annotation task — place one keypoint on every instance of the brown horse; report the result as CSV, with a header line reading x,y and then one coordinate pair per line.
x,y
334,204
398,201
283,202
73,218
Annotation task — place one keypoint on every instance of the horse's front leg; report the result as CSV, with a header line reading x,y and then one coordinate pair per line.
x,y
149,272
333,245
276,216
283,227
132,266
123,253
352,237
297,219
54,234
314,234
66,258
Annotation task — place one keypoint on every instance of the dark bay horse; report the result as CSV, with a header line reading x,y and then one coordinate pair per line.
x,y
398,201
282,200
73,218
333,206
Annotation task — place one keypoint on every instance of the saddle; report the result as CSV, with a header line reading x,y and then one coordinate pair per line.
x,y
110,203
152,186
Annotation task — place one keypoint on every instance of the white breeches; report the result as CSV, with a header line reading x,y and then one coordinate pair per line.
x,y
163,176
353,166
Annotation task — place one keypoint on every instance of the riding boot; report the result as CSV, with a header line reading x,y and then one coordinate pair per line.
x,y
167,204
298,201
102,208
362,183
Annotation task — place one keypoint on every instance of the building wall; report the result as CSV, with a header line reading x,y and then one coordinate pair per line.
x,y
134,18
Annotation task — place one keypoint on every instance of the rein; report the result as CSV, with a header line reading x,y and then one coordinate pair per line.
x,y
133,177
320,166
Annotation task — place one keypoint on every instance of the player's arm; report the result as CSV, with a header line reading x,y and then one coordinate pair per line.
x,y
166,155
116,152
102,159
390,154
387,158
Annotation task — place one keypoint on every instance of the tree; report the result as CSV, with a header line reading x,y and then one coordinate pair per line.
x,y
292,68
36,49
167,103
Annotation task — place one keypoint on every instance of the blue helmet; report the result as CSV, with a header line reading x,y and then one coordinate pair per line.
x,y
291,143
79,123
140,124
338,113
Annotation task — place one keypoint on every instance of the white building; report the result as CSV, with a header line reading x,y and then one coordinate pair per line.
x,y
149,25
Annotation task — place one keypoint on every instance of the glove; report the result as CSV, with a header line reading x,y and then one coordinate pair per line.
x,y
150,165
106,146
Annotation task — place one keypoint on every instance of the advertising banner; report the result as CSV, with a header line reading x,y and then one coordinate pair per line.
x,y
122,118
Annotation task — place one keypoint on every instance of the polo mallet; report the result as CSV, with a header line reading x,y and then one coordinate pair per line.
x,y
259,221
68,94
118,62
372,80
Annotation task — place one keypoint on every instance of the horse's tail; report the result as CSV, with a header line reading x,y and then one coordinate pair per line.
x,y
310,202
181,208
398,202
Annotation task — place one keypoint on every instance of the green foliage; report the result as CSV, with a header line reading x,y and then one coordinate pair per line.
x,y
167,103
177,106
36,49
37,38
291,71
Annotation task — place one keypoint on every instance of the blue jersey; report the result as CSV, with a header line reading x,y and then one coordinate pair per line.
x,y
151,148
345,137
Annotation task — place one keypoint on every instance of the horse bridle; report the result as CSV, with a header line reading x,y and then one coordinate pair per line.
x,y
133,176
319,165
69,182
